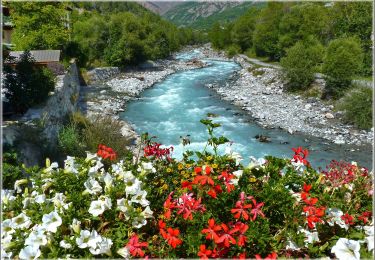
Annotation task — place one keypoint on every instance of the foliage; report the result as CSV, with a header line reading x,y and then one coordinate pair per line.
x,y
342,62
233,50
357,105
26,84
39,25
11,170
300,63
85,134
209,205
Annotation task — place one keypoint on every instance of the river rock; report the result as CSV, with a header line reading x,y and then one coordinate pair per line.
x,y
307,106
329,116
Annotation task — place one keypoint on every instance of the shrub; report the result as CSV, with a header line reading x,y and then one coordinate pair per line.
x,y
357,105
342,61
300,63
203,205
233,50
11,170
70,141
27,85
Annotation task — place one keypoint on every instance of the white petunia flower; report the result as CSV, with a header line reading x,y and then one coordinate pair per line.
x,y
27,201
83,239
30,252
108,180
334,217
91,157
124,252
122,204
37,238
51,221
100,245
21,221
92,186
147,212
139,222
310,237
298,166
133,188
18,183
6,255
40,199
128,177
6,240
97,207
346,249
7,196
7,227
290,245
238,173
65,244
369,239
96,169
140,198
256,163
146,167
234,155
76,226
70,165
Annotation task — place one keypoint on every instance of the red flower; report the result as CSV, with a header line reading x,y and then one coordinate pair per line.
x,y
168,206
198,170
300,155
187,205
153,149
203,252
271,256
186,184
241,209
348,219
365,216
241,256
307,187
172,237
227,180
256,210
203,179
135,248
242,228
106,152
211,230
226,238
208,170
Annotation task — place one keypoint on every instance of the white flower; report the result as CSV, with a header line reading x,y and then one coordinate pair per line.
x,y
102,246
41,198
133,188
27,201
290,245
65,244
21,221
234,155
146,167
18,183
140,198
30,252
238,173
108,180
94,170
6,240
59,200
92,186
139,222
256,163
6,255
51,221
6,227
91,156
83,239
7,196
36,238
76,226
147,212
70,165
298,166
310,237
369,231
97,207
122,204
52,167
234,182
334,217
346,249
124,252
128,176
95,238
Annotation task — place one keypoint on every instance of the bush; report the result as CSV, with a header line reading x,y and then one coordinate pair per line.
x,y
84,134
233,50
342,62
27,85
11,170
357,105
203,205
300,63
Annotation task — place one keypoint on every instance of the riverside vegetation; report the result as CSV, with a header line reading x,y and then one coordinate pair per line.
x,y
150,205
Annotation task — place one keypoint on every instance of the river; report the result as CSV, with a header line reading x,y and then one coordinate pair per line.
x,y
174,107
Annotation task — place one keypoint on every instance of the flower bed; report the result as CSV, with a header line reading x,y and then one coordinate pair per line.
x,y
203,206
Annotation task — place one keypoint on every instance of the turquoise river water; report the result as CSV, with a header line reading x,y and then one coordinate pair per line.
x,y
173,108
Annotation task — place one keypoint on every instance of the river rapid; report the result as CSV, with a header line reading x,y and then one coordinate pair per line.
x,y
173,108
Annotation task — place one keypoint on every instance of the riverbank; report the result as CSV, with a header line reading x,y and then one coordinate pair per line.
x,y
260,92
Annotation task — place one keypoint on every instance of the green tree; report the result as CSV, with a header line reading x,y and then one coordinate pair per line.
x,y
301,61
301,21
27,85
39,25
342,62
266,33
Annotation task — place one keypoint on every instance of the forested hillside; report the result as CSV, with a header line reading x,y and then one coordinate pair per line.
x,y
97,33
202,15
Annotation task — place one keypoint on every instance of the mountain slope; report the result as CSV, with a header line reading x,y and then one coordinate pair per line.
x,y
202,15
159,7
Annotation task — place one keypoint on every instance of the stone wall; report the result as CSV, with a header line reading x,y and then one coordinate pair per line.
x,y
100,74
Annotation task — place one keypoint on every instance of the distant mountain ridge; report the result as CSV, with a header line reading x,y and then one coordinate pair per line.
x,y
203,15
158,6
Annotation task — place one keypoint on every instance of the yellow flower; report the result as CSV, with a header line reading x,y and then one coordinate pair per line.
x,y
175,182
209,158
187,165
253,179
161,181
193,174
214,166
165,187
182,172
180,166
169,170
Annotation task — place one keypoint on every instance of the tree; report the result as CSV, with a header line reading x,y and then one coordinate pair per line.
x,y
27,85
266,33
343,60
39,25
301,61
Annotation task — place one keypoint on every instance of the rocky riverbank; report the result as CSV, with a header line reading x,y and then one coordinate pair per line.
x,y
260,92
109,97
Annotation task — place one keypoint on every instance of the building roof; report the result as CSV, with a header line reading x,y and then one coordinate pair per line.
x,y
40,56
